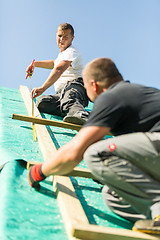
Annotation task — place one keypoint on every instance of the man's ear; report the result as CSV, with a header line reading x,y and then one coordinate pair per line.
x,y
72,38
94,86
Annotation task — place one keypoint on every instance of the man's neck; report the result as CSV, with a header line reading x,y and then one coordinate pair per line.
x,y
62,50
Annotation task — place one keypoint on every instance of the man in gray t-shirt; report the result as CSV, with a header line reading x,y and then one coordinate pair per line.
x,y
127,164
70,99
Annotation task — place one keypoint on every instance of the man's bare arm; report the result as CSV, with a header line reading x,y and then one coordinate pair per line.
x,y
48,64
53,77
71,154
55,74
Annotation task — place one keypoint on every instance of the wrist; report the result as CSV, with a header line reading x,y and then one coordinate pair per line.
x,y
36,64
36,175
43,88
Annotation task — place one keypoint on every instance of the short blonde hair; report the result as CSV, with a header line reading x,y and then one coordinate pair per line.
x,y
65,26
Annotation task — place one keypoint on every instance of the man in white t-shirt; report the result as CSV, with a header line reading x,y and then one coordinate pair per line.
x,y
70,99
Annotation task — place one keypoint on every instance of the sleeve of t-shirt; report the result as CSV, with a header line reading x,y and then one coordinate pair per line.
x,y
72,55
106,112
69,54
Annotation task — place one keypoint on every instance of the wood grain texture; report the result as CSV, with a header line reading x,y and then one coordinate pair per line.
x,y
43,121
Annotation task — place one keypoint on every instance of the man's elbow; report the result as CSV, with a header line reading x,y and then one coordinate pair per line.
x,y
59,70
62,67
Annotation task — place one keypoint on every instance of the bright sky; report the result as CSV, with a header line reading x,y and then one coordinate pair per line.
x,y
127,31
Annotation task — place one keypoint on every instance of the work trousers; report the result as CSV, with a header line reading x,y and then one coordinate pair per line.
x,y
68,101
129,167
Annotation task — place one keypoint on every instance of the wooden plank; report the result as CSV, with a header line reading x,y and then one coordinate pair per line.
x,y
43,121
94,232
66,195
76,172
48,122
69,203
81,172
46,144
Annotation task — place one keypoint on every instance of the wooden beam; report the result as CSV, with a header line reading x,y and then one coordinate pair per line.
x,y
76,172
66,196
94,232
81,172
46,144
71,208
43,121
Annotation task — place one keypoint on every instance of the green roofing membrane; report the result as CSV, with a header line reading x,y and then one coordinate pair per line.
x,y
24,212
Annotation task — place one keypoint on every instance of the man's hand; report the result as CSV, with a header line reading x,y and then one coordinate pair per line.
x,y
30,68
36,92
35,175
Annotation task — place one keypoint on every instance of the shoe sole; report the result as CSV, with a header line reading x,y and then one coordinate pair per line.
x,y
74,120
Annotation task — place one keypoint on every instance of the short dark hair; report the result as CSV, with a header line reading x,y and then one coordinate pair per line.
x,y
65,26
103,70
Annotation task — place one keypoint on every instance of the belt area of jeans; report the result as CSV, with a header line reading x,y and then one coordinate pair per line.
x,y
80,80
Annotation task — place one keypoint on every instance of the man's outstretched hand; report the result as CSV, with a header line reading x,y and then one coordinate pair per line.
x,y
30,68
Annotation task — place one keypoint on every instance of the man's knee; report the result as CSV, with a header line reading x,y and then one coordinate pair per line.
x,y
45,104
49,104
40,104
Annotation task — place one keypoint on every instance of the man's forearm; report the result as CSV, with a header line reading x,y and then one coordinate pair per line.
x,y
48,64
53,76
64,160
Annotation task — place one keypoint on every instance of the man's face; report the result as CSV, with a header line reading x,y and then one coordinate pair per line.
x,y
64,38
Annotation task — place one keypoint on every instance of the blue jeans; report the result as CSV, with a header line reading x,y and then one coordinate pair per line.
x,y
130,172
71,99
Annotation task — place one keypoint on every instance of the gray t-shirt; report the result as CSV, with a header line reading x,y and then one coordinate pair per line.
x,y
127,108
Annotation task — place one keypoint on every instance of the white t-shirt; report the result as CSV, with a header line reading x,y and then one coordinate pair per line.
x,y
73,71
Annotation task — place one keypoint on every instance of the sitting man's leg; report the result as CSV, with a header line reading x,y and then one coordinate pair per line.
x,y
49,104
73,102
129,165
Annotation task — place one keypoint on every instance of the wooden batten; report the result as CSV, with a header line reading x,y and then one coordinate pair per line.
x,y
76,172
94,232
43,121
73,213
46,144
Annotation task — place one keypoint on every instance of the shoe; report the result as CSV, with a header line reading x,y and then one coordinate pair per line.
x,y
148,226
74,120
